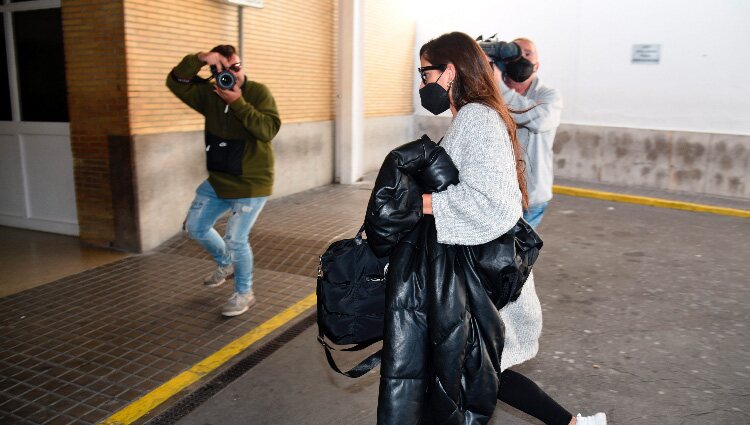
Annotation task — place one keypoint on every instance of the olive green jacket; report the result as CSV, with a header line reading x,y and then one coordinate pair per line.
x,y
253,118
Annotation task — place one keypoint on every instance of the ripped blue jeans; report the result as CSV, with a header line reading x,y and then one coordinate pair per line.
x,y
234,248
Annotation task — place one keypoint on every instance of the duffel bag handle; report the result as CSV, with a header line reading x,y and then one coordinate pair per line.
x,y
363,367
358,237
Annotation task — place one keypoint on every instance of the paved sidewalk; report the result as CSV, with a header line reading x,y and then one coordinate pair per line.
x,y
644,307
81,348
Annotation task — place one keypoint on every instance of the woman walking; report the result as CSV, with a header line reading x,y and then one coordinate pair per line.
x,y
485,205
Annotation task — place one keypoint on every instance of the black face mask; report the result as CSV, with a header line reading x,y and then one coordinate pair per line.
x,y
519,70
434,98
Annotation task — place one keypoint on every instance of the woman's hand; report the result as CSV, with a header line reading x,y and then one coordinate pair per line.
x,y
427,203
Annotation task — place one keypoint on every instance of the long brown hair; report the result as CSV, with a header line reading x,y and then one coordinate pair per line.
x,y
474,84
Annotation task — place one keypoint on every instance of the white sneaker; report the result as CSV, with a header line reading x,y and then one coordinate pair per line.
x,y
598,419
238,304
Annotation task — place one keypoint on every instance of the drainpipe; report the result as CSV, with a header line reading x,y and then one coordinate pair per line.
x,y
241,44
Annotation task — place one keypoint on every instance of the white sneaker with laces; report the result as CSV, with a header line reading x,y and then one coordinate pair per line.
x,y
238,304
597,419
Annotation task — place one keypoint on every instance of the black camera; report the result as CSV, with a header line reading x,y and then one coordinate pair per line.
x,y
501,52
224,79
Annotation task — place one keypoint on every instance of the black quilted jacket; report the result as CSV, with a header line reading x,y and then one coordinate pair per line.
x,y
443,335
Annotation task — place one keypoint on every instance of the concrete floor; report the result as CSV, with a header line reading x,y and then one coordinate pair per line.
x,y
29,258
646,318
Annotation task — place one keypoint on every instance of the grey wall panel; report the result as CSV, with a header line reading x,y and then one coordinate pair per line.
x,y
577,152
712,164
304,157
382,134
728,166
688,165
167,169
169,166
434,127
634,157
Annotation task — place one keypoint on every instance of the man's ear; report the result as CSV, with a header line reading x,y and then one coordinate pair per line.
x,y
536,67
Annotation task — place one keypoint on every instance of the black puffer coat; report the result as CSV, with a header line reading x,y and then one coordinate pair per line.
x,y
443,334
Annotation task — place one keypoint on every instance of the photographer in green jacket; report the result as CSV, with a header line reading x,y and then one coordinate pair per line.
x,y
241,119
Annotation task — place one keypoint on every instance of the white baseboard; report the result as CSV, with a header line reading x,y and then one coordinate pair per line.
x,y
63,228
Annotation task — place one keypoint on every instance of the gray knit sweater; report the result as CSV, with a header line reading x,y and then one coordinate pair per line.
x,y
483,206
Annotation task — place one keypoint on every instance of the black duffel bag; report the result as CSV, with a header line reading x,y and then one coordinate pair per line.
x,y
351,300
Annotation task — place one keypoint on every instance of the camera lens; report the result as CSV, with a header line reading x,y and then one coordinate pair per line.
x,y
509,51
225,80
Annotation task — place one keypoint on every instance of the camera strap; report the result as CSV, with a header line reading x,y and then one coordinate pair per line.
x,y
195,80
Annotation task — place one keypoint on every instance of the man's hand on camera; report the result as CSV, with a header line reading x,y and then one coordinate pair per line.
x,y
229,96
214,58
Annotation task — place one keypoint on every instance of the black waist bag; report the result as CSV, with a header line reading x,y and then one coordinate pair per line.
x,y
351,299
224,155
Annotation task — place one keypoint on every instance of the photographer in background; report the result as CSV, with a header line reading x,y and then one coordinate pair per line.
x,y
535,108
241,118
540,107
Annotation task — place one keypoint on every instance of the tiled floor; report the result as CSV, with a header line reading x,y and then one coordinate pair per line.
x,y
81,348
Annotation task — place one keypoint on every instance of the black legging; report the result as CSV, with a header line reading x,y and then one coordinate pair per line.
x,y
522,393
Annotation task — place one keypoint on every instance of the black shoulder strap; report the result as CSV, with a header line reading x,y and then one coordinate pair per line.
x,y
363,367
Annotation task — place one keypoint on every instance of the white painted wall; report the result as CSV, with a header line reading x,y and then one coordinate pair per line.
x,y
701,83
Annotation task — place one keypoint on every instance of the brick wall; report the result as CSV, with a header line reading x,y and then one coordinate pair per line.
x,y
388,58
158,34
97,96
289,46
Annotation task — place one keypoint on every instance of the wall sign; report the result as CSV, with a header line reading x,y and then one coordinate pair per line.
x,y
249,3
646,53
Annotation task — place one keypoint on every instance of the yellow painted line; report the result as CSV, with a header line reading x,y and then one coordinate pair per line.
x,y
652,202
148,402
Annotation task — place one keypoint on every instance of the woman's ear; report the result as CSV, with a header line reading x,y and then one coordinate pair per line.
x,y
451,70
